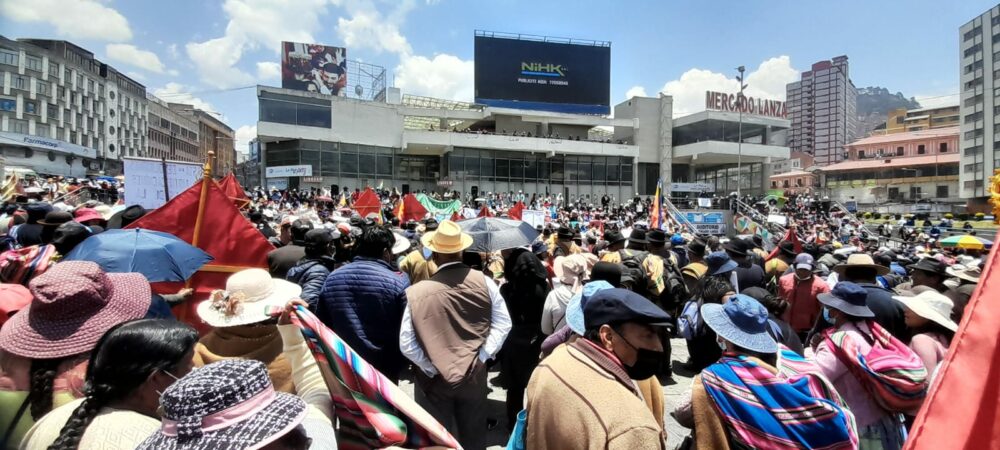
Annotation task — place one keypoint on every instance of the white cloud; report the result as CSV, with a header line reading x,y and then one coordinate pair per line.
x,y
75,19
767,81
179,93
270,71
135,57
444,76
244,134
253,24
635,91
173,72
172,51
368,29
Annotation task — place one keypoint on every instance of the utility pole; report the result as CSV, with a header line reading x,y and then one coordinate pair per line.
x,y
739,140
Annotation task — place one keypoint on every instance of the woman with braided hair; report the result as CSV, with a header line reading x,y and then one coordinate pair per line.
x,y
128,369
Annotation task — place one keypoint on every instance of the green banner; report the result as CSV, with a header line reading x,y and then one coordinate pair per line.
x,y
439,208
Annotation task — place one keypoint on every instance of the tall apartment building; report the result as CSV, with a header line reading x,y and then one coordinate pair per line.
x,y
979,44
822,106
63,112
213,135
171,135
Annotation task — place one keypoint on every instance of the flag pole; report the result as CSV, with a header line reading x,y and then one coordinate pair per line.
x,y
206,177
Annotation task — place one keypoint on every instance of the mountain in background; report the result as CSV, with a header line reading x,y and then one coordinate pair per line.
x,y
874,104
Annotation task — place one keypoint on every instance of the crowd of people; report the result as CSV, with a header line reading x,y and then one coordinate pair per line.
x,y
577,322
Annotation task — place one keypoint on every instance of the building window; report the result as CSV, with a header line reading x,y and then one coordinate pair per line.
x,y
943,147
899,151
20,82
8,57
18,126
977,133
42,87
52,111
33,63
774,184
972,33
942,192
53,69
42,130
31,107
920,149
861,154
974,83
969,118
972,101
8,104
972,50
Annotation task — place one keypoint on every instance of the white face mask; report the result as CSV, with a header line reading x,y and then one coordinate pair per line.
x,y
721,343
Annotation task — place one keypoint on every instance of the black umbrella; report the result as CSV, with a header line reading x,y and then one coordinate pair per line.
x,y
490,234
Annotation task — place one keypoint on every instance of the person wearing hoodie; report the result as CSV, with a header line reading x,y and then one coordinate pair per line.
x,y
311,271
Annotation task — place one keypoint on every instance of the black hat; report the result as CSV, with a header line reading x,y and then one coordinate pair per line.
x,y
123,218
736,247
638,236
68,235
299,229
56,218
565,232
758,240
787,247
925,264
610,272
37,211
656,236
696,247
431,224
614,306
849,298
613,236
539,248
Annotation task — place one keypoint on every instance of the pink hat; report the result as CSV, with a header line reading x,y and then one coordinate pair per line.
x,y
82,215
13,298
74,304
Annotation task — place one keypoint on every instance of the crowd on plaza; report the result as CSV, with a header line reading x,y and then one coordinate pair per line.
x,y
576,318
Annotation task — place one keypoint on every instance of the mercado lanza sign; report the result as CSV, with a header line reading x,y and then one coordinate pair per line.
x,y
717,101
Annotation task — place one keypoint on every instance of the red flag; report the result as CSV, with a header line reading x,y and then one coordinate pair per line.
x,y
409,208
789,236
225,234
455,217
367,203
485,212
962,410
231,187
515,211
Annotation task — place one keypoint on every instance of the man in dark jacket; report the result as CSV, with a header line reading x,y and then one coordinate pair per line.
x,y
363,302
30,233
311,271
281,259
861,269
747,273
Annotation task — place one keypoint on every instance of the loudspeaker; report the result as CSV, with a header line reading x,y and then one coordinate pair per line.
x,y
334,190
406,189
475,192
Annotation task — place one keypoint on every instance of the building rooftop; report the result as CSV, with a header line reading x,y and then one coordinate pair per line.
x,y
908,136
894,162
794,173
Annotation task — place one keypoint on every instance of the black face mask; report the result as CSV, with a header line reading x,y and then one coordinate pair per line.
x,y
647,362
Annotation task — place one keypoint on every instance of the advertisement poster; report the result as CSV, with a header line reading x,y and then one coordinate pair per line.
x,y
313,68
710,222
550,76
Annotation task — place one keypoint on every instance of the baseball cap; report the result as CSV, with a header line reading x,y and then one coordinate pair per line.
x,y
612,306
804,261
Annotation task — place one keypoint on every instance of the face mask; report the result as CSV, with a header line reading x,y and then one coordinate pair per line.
x,y
647,362
826,315
797,277
721,344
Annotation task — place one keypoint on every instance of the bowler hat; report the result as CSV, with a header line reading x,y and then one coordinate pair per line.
x,y
565,232
613,236
930,265
736,247
56,218
123,218
656,236
637,236
787,247
849,298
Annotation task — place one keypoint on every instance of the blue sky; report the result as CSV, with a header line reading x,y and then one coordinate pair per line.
x,y
204,51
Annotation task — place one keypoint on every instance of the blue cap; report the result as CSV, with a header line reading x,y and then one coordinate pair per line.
x,y
613,306
848,298
574,309
719,263
742,321
676,239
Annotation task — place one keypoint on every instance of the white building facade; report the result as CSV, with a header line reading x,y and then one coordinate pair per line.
x,y
979,54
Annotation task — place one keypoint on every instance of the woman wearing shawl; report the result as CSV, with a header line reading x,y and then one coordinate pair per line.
x,y
745,401
571,272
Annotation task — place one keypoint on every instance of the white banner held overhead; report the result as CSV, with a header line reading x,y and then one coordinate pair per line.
x,y
144,180
533,217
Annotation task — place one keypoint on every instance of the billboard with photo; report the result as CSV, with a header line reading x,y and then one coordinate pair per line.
x,y
543,75
314,68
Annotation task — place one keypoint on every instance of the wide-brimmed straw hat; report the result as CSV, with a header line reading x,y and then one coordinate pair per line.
x,y
227,405
967,273
447,239
570,270
248,296
74,303
863,260
931,305
742,321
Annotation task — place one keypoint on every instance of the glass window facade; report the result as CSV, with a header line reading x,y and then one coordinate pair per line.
x,y
475,166
340,159
294,110
726,178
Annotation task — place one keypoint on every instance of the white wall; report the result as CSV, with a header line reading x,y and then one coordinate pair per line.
x,y
864,195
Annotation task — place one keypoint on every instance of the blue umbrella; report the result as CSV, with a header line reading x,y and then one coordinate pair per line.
x,y
157,255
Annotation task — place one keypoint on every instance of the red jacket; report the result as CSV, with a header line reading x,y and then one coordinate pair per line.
x,y
803,307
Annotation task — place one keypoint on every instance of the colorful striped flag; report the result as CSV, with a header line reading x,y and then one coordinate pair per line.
x,y
656,212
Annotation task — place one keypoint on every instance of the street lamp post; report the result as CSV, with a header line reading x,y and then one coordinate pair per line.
x,y
739,139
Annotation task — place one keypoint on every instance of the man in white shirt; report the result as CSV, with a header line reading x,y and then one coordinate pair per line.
x,y
453,323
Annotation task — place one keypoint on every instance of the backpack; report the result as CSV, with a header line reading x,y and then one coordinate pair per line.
x,y
689,320
632,269
675,291
891,372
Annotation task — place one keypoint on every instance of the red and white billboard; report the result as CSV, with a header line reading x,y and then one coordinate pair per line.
x,y
313,68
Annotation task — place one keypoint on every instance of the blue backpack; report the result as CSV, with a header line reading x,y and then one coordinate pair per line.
x,y
689,320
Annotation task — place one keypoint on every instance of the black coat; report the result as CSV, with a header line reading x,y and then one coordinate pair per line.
x,y
888,312
29,234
